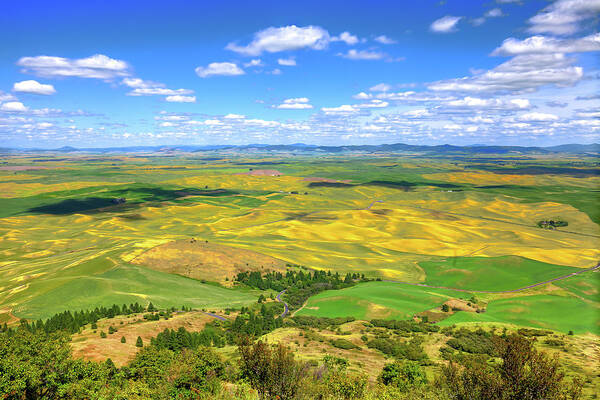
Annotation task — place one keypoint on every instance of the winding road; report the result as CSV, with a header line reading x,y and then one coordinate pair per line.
x,y
285,306
501,291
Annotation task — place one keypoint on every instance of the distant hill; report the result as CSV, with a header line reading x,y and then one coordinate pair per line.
x,y
592,149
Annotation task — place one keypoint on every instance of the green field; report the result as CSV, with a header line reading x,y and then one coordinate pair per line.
x,y
560,313
444,221
129,284
493,274
370,300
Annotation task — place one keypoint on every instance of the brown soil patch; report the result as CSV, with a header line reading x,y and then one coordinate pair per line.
x,y
261,172
460,305
91,346
317,179
198,259
21,168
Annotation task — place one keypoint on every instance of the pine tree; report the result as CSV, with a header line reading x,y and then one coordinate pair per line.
x,y
123,340
139,342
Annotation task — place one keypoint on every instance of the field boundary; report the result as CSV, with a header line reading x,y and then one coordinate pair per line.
x,y
595,267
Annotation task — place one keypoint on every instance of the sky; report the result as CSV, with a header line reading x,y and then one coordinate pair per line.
x,y
123,73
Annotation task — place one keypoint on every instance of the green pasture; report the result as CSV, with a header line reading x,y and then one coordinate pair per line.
x,y
560,313
129,284
369,300
490,273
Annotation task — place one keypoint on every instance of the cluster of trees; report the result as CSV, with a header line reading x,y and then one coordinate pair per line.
x,y
400,348
39,365
72,321
299,285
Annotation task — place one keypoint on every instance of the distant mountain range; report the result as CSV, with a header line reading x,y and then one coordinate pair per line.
x,y
306,148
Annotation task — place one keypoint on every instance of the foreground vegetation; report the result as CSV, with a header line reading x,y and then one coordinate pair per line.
x,y
39,366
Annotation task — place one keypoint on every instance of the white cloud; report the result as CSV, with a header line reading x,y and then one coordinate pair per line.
x,y
445,24
97,66
521,73
543,45
181,99
219,68
564,17
354,54
481,120
385,40
474,102
257,62
287,62
346,37
380,87
138,83
13,106
375,103
343,109
537,116
452,127
33,87
6,96
494,13
298,103
417,113
159,91
234,116
276,71
362,96
292,37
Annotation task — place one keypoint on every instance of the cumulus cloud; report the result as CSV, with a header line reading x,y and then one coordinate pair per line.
x,y
257,62
181,99
354,54
234,116
149,88
564,17
287,62
537,116
445,24
385,40
219,68
546,45
343,110
521,73
34,87
346,37
298,103
97,66
13,106
292,37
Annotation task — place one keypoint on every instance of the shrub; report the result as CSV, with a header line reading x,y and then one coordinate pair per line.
x,y
139,342
403,375
273,372
524,373
343,344
102,334
123,340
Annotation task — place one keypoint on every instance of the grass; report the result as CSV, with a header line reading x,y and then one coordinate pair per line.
x,y
129,284
490,273
560,313
438,222
370,300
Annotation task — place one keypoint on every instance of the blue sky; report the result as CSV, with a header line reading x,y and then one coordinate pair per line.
x,y
104,73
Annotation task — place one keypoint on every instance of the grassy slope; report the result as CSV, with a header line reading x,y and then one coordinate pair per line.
x,y
490,273
129,284
559,313
377,300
